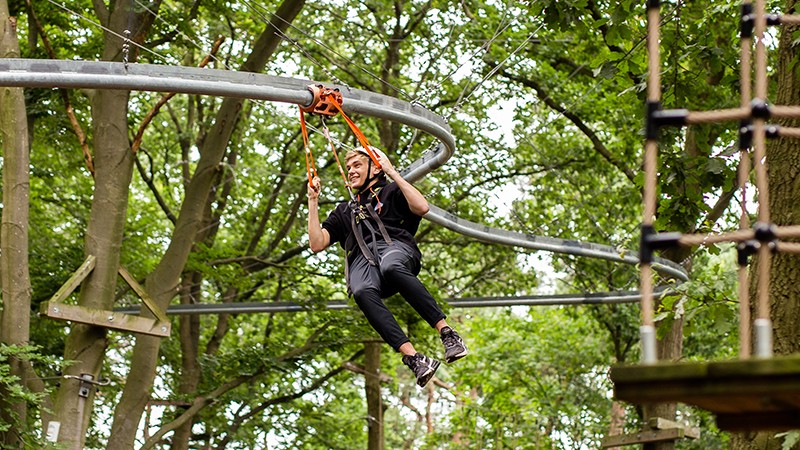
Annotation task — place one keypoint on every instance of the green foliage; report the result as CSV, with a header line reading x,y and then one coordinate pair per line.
x,y
15,391
709,302
790,439
567,78
535,379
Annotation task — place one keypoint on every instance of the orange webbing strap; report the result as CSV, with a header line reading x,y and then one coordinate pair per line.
x,y
361,138
327,134
310,167
330,97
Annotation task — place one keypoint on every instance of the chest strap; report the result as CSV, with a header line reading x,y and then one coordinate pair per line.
x,y
357,217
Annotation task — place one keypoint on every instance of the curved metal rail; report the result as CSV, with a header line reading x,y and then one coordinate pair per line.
x,y
47,73
505,237
51,73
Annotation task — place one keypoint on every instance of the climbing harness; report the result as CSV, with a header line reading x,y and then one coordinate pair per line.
x,y
358,216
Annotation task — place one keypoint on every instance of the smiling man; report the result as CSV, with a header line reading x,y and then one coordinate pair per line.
x,y
376,229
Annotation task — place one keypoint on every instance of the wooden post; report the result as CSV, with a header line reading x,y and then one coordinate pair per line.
x,y
372,384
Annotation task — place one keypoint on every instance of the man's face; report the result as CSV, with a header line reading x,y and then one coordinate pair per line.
x,y
357,170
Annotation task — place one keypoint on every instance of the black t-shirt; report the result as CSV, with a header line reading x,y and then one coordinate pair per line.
x,y
392,208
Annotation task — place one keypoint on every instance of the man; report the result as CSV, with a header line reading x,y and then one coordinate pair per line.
x,y
376,230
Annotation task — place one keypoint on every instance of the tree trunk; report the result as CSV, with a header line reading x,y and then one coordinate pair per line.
x,y
670,348
85,344
16,283
372,385
190,363
162,283
784,189
190,324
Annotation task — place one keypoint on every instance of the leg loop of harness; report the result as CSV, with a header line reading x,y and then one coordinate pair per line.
x,y
358,217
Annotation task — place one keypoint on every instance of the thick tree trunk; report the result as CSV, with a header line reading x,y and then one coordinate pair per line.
x,y
783,167
784,189
372,386
190,363
162,284
670,348
16,283
85,344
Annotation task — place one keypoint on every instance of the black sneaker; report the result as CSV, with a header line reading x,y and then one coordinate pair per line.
x,y
454,347
422,366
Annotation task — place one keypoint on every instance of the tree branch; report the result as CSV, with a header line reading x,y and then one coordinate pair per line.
x,y
148,180
588,132
202,401
137,139
76,126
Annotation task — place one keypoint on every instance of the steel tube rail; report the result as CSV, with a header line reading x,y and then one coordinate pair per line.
x,y
516,239
48,73
51,73
467,302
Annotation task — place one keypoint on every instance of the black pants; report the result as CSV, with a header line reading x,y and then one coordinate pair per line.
x,y
397,272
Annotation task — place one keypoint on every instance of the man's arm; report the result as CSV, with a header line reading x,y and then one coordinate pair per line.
x,y
318,238
416,201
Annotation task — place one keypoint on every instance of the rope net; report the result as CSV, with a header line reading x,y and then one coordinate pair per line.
x,y
761,239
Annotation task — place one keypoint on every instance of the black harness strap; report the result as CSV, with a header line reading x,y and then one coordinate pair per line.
x,y
358,217
356,232
381,227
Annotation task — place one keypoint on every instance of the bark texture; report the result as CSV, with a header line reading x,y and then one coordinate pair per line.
x,y
783,168
162,284
16,283
85,344
372,386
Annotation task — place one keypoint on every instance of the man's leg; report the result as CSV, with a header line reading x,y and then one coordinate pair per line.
x,y
365,284
399,269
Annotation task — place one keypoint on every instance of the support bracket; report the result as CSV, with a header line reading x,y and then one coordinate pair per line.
x,y
55,308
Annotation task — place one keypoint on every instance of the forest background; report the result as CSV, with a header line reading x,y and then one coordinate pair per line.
x,y
206,204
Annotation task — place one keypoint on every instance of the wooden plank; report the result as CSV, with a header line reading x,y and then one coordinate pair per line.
x,y
776,421
762,394
75,280
778,365
148,301
659,371
659,423
641,437
107,319
746,395
761,380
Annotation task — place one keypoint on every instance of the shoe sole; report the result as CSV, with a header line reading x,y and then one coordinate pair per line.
x,y
426,377
456,357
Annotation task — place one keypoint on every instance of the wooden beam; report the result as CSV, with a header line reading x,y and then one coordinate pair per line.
x,y
659,423
56,309
642,437
107,319
746,395
148,301
75,280
778,421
